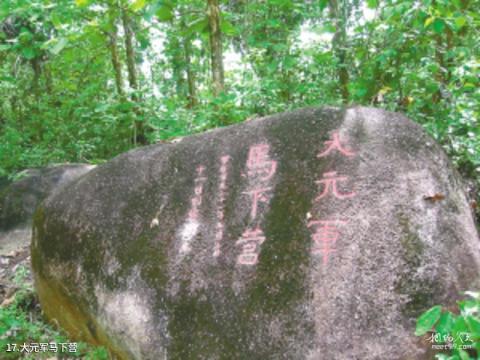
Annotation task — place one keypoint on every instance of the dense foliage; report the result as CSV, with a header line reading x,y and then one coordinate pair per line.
x,y
85,80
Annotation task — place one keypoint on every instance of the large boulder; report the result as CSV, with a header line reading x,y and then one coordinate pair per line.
x,y
19,199
314,234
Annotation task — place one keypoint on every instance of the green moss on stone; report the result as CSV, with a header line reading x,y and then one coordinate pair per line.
x,y
75,318
420,291
412,245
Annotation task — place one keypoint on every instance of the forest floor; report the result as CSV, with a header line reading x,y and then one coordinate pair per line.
x,y
15,260
22,326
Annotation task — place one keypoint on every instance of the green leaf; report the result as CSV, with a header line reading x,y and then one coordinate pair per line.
x,y
28,53
9,79
438,26
463,355
227,27
328,28
428,319
361,92
457,3
125,106
323,4
445,323
5,47
56,21
459,327
460,22
474,325
198,26
82,3
138,5
60,44
143,40
428,21
469,307
4,10
164,13
372,4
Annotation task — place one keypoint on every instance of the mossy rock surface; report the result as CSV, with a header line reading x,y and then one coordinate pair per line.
x,y
313,234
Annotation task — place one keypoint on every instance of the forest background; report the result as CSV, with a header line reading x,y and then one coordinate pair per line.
x,y
85,80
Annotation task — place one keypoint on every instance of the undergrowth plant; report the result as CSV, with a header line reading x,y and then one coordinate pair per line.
x,y
23,331
456,335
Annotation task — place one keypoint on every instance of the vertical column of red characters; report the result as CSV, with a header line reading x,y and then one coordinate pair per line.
x,y
325,232
222,187
260,170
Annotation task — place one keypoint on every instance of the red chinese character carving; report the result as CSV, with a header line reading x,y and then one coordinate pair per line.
x,y
193,213
259,163
198,190
218,239
196,200
224,159
330,181
262,168
334,144
257,195
250,241
221,199
325,236
200,170
216,249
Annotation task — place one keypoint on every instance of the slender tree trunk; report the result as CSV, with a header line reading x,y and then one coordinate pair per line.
x,y
130,52
213,11
37,72
444,75
286,73
442,47
192,96
178,66
14,96
338,13
48,79
139,136
117,65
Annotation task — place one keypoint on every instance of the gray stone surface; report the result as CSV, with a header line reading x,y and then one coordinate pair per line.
x,y
314,234
19,199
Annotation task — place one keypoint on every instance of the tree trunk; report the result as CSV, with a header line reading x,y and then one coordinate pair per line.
x,y
130,52
213,11
338,13
36,64
444,75
442,47
178,66
117,65
139,136
192,96
48,79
